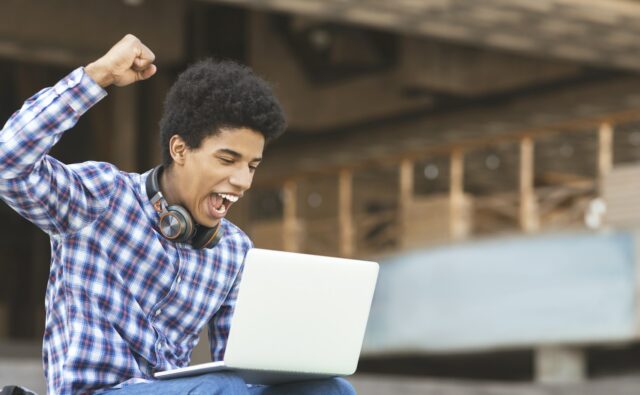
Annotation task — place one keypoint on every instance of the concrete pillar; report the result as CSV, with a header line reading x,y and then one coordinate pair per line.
x,y
560,364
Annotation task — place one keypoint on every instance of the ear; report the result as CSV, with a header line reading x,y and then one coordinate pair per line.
x,y
177,148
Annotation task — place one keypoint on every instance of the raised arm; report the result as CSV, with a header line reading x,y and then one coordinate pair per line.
x,y
56,197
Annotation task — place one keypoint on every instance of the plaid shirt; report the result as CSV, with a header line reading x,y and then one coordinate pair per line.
x,y
122,301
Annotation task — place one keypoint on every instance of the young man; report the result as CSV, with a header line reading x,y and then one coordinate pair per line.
x,y
141,263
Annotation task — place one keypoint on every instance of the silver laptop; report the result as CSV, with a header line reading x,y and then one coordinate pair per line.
x,y
297,317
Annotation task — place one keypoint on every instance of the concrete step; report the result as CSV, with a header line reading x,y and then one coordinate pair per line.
x,y
394,385
28,372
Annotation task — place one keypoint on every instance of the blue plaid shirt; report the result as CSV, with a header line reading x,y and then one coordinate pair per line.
x,y
122,301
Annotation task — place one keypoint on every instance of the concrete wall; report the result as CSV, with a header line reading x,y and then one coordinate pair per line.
x,y
507,293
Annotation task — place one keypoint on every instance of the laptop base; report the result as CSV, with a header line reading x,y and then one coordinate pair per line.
x,y
250,376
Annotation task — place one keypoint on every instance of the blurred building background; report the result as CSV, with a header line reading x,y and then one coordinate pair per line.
x,y
487,153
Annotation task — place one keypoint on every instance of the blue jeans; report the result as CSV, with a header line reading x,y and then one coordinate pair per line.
x,y
230,384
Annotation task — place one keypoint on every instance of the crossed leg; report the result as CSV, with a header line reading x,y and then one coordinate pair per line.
x,y
230,384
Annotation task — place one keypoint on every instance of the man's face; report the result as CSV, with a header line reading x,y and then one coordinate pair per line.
x,y
216,174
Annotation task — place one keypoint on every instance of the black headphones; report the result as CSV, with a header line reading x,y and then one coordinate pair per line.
x,y
175,223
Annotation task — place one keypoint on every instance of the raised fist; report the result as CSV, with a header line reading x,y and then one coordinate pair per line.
x,y
126,62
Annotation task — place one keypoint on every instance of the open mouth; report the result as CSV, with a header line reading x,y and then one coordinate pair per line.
x,y
220,203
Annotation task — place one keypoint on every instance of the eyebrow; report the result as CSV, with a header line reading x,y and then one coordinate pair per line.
x,y
236,154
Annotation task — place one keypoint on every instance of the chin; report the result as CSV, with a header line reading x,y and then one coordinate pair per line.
x,y
210,223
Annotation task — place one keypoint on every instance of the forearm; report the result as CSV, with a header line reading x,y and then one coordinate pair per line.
x,y
33,130
220,324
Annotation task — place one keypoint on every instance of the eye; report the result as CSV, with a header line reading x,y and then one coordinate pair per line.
x,y
226,161
254,165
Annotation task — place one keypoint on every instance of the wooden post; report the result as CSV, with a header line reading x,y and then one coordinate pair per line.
x,y
125,128
290,236
156,89
529,220
35,267
405,199
636,309
345,213
4,321
457,225
102,127
41,252
605,155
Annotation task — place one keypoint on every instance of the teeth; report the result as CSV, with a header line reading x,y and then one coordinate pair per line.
x,y
231,198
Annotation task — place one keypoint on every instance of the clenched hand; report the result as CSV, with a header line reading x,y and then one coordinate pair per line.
x,y
126,62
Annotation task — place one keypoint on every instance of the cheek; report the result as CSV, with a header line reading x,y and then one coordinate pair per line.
x,y
212,178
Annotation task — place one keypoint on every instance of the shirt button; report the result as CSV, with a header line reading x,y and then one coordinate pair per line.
x,y
179,280
158,312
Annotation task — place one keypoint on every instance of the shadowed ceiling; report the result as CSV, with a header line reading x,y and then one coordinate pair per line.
x,y
597,32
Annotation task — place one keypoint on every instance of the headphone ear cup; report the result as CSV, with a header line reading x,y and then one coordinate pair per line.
x,y
207,237
177,224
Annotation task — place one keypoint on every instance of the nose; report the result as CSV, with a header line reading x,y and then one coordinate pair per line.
x,y
241,179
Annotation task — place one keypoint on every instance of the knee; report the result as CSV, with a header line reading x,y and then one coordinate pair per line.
x,y
343,387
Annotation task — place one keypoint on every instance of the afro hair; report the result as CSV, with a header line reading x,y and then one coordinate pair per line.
x,y
213,95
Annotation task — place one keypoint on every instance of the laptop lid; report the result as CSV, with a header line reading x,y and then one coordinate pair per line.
x,y
300,313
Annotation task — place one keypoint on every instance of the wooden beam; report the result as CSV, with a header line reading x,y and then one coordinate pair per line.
x,y
50,32
290,236
529,218
48,54
345,213
457,225
605,154
464,24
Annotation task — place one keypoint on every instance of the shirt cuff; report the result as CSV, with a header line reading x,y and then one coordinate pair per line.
x,y
79,91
